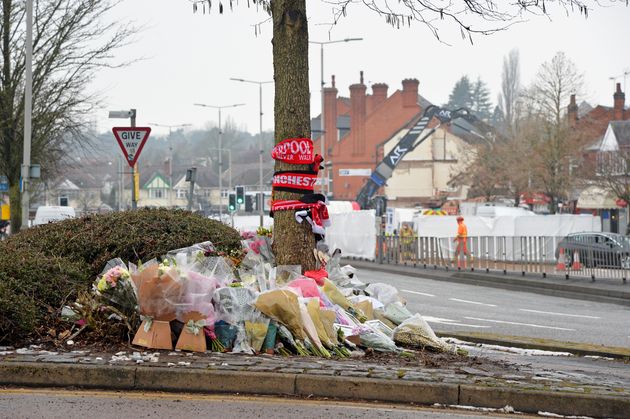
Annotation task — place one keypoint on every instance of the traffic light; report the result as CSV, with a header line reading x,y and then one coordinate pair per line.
x,y
240,195
232,203
249,203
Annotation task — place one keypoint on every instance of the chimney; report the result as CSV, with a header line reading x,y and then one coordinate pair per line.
x,y
572,111
619,100
357,116
410,92
330,115
379,94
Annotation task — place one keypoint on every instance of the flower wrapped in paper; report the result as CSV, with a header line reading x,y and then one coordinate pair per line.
x,y
158,290
283,306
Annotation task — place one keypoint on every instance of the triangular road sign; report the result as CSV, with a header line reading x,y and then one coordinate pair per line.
x,y
131,140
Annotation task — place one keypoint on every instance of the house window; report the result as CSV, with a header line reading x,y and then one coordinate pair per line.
x,y
63,201
182,194
157,193
224,193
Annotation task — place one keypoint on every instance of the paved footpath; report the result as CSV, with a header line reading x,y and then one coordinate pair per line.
x,y
425,379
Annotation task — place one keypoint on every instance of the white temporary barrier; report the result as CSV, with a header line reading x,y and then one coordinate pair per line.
x,y
534,225
249,222
354,233
532,237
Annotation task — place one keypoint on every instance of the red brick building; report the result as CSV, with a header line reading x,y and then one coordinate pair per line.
x,y
357,127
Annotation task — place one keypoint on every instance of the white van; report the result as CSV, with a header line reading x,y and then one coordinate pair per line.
x,y
47,214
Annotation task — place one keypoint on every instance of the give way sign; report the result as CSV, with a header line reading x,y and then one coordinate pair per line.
x,y
131,140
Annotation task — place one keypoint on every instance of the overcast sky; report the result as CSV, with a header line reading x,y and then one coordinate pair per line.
x,y
189,58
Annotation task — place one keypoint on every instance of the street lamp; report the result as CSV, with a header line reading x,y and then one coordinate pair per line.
x,y
28,109
220,146
260,147
170,160
322,128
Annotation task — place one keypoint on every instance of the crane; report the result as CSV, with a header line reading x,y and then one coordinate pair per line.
x,y
412,139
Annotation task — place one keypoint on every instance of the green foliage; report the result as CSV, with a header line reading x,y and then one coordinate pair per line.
x,y
45,267
481,104
461,96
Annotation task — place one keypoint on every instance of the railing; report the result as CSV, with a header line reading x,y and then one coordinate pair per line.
x,y
523,255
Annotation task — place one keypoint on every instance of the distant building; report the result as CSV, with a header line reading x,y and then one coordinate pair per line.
x,y
360,130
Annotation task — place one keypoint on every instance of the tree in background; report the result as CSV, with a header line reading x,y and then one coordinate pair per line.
x,y
480,97
510,92
462,95
556,149
293,242
70,43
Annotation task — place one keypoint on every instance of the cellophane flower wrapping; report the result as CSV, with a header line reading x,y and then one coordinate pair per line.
x,y
256,266
196,252
234,306
417,333
115,286
375,339
283,274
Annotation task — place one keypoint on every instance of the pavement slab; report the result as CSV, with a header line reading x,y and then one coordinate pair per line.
x,y
449,380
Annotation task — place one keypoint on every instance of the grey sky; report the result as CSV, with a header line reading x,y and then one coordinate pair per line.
x,y
190,57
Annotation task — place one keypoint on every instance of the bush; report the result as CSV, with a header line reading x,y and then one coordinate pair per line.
x,y
44,267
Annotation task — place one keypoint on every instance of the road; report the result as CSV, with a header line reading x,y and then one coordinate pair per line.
x,y
44,403
454,307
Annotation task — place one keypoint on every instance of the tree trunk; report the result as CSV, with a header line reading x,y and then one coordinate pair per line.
x,y
15,202
293,243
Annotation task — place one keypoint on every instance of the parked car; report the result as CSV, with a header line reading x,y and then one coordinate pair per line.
x,y
596,250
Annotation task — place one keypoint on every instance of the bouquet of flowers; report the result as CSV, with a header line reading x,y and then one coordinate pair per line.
x,y
158,289
233,305
115,285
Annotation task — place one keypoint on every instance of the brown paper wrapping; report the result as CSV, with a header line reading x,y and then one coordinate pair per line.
x,y
188,341
154,294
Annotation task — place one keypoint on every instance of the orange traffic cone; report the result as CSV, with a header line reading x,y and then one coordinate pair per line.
x,y
561,266
576,266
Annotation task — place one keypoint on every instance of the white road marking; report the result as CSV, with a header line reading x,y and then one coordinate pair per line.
x,y
519,324
559,314
472,302
419,293
430,319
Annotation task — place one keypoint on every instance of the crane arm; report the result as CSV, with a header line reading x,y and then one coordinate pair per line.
x,y
412,139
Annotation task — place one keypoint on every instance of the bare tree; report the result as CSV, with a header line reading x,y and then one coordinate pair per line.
x,y
556,147
71,40
292,241
510,90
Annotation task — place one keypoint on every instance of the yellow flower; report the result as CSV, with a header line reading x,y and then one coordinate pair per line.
x,y
102,285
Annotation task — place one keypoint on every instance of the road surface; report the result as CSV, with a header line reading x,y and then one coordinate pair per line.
x,y
454,307
63,404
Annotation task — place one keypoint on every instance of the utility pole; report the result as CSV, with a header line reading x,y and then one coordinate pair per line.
x,y
261,195
28,113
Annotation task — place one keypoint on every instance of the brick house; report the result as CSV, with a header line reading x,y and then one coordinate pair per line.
x,y
608,129
359,130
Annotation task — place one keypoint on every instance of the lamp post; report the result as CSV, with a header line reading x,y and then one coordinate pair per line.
x,y
220,147
260,201
322,127
170,159
28,109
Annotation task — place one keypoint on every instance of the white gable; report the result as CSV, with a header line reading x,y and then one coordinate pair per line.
x,y
609,142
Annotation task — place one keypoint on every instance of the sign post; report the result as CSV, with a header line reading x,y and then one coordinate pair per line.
x,y
131,141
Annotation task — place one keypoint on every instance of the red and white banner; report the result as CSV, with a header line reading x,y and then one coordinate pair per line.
x,y
295,180
294,151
